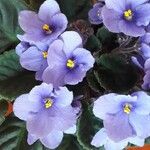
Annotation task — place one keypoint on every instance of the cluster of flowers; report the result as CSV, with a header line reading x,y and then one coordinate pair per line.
x,y
125,118
58,58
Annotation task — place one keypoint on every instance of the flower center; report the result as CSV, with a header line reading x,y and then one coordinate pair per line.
x,y
127,108
47,29
45,54
70,63
48,103
128,14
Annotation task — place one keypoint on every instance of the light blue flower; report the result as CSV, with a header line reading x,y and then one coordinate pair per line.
x,y
101,138
48,113
68,61
124,116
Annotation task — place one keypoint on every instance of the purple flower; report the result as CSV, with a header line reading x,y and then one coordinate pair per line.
x,y
146,79
124,116
22,47
33,58
45,26
95,13
101,138
47,112
52,140
68,62
145,45
127,16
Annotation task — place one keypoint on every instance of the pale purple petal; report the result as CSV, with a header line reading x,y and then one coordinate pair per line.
x,y
111,19
108,104
134,3
56,53
55,75
22,47
131,29
116,5
118,127
31,139
71,40
143,103
34,37
84,57
29,22
63,97
43,90
139,61
75,76
145,49
48,9
40,124
137,141
146,81
141,124
32,59
111,145
52,140
65,117
95,14
39,73
59,23
143,15
71,130
147,65
22,107
100,138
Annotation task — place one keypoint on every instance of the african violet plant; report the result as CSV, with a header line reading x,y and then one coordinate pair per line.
x,y
77,73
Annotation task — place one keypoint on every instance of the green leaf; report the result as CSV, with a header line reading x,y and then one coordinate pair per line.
x,y
34,4
9,65
13,136
106,38
14,81
69,143
9,22
88,125
115,74
3,109
93,43
93,82
75,9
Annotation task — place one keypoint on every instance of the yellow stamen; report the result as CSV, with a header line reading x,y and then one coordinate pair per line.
x,y
128,14
127,108
70,64
45,54
46,28
48,103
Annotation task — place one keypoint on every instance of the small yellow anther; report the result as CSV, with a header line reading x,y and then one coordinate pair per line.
x,y
48,103
127,108
128,14
70,64
46,28
45,54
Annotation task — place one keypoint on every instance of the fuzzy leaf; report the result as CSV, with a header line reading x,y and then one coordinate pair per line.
x,y
3,109
13,136
88,125
106,38
14,81
9,22
93,43
75,9
115,74
69,143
